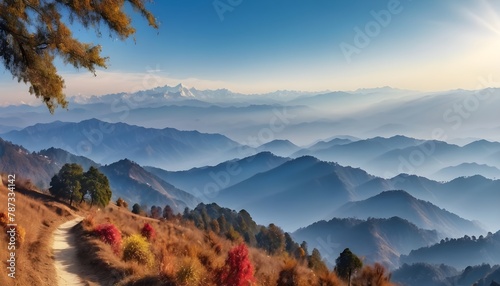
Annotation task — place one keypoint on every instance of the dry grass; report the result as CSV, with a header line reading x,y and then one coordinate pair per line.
x,y
39,215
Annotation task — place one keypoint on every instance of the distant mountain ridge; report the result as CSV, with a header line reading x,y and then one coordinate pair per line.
x,y
381,240
359,153
319,187
38,167
401,204
105,143
15,159
418,274
387,157
207,181
459,253
282,148
306,184
467,170
132,183
314,115
474,198
127,179
62,157
161,95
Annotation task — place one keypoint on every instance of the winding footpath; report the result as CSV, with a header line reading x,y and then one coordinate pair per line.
x,y
65,255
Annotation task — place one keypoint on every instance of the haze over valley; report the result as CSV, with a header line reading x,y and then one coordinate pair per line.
x,y
360,169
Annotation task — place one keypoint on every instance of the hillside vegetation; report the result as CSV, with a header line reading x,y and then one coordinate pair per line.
x,y
459,253
38,215
136,250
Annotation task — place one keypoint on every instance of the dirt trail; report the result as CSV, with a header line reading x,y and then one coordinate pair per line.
x,y
67,270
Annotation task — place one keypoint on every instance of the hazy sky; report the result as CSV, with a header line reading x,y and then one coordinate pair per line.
x,y
257,46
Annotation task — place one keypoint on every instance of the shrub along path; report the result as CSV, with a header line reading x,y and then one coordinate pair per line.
x,y
68,272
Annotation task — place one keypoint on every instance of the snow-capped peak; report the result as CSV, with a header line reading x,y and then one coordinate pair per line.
x,y
178,91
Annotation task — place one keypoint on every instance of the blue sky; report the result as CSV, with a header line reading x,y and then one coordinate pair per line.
x,y
265,45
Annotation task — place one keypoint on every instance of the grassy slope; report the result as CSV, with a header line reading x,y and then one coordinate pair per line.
x,y
40,215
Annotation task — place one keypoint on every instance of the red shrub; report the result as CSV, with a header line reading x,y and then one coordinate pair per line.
x,y
148,231
110,234
238,270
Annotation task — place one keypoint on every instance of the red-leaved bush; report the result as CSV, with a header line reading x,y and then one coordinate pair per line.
x,y
110,234
148,231
238,270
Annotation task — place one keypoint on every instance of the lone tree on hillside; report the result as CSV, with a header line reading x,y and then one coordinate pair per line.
x,y
71,183
66,184
33,33
346,264
96,185
136,208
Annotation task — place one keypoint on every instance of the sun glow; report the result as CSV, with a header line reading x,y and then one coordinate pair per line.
x,y
487,17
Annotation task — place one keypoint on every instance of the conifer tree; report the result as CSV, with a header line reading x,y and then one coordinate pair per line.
x,y
96,185
347,264
66,184
33,33
168,213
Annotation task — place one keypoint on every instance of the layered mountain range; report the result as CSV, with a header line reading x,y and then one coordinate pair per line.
x,y
413,182
301,117
293,193
106,143
382,240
